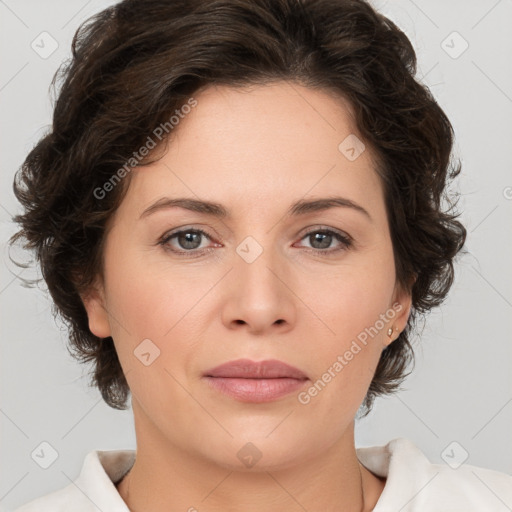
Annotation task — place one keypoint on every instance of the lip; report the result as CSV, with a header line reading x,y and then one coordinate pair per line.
x,y
247,369
250,381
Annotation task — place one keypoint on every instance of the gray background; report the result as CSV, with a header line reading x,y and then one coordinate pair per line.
x,y
461,389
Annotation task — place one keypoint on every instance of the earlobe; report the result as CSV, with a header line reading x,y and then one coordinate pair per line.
x,y
97,313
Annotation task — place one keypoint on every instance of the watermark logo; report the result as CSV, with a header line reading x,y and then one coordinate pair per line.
x,y
249,455
454,455
146,352
351,147
454,45
249,249
44,45
44,455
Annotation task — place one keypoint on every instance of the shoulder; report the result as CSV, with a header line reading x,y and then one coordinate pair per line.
x,y
475,488
94,489
414,484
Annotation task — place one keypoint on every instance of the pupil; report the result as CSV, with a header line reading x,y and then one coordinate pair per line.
x,y
323,238
187,240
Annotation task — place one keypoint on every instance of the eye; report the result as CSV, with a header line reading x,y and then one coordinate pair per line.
x,y
321,240
188,240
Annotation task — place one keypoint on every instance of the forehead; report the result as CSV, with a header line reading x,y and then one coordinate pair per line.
x,y
259,144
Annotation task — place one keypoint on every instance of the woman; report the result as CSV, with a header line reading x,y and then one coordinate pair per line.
x,y
238,212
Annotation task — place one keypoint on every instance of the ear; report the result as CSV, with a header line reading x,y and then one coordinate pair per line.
x,y
94,303
402,303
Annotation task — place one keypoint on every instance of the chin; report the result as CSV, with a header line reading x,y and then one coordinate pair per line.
x,y
262,453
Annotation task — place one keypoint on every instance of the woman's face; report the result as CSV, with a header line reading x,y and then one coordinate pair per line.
x,y
264,282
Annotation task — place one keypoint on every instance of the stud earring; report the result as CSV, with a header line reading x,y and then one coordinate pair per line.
x,y
390,332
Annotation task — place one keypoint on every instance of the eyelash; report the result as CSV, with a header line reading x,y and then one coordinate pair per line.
x,y
345,240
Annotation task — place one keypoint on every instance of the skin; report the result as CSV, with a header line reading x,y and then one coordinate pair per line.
x,y
255,151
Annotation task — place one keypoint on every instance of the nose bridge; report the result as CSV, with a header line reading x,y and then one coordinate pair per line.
x,y
258,296
256,264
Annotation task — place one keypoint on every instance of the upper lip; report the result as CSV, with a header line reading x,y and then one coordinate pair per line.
x,y
247,369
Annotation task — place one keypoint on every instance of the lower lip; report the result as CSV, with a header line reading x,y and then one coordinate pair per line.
x,y
256,390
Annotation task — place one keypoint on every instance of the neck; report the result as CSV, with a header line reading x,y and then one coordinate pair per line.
x,y
166,477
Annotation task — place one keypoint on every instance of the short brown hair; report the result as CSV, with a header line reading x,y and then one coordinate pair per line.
x,y
137,62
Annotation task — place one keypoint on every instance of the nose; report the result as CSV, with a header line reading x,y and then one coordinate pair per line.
x,y
259,294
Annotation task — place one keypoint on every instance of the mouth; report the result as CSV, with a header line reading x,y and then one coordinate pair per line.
x,y
250,381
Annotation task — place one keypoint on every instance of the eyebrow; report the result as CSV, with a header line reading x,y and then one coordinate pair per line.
x,y
301,207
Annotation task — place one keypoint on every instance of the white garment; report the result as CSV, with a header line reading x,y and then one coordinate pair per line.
x,y
413,484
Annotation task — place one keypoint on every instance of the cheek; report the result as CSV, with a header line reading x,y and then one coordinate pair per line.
x,y
351,298
344,362
146,294
150,298
353,306
142,302
137,300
